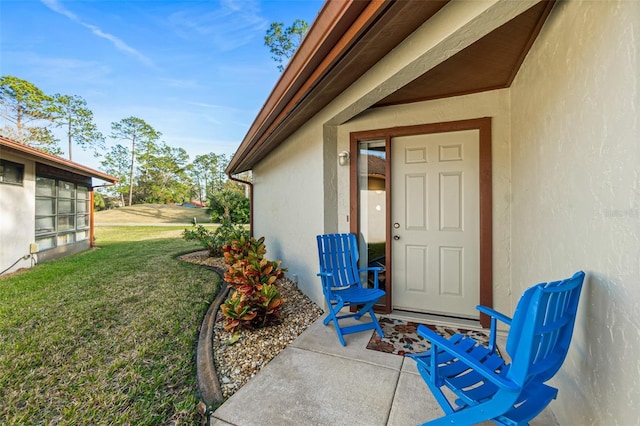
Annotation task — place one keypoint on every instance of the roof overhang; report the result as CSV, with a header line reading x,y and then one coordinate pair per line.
x,y
30,153
349,38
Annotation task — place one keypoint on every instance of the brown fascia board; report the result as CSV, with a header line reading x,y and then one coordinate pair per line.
x,y
52,160
318,51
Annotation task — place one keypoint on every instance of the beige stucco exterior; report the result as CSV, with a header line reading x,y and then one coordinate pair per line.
x,y
566,180
576,196
17,213
65,220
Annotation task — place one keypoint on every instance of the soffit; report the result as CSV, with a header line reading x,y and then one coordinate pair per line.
x,y
490,63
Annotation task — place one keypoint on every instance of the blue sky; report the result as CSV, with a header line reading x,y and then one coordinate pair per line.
x,y
197,71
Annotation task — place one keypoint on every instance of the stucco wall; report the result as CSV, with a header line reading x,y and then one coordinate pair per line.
x,y
576,196
489,104
289,206
17,212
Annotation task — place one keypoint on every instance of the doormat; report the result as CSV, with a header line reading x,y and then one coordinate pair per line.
x,y
401,337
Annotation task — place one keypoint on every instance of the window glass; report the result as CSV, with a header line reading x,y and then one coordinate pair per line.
x,y
82,193
65,206
45,186
62,212
45,225
372,171
46,243
83,206
66,223
66,190
83,221
45,206
64,239
11,172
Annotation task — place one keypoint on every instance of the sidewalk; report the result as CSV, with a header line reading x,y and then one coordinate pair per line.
x,y
316,381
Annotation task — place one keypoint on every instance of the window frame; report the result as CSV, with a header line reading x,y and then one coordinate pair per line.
x,y
6,164
64,193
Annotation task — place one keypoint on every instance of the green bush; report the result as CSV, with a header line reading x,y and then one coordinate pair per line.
x,y
229,202
215,240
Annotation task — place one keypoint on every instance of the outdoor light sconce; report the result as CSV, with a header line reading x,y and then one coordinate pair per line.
x,y
343,158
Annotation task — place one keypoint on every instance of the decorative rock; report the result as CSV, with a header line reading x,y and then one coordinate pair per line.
x,y
239,362
254,349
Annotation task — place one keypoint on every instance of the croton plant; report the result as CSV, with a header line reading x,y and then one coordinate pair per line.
x,y
255,301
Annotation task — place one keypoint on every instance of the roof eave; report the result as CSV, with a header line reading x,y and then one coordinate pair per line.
x,y
54,161
333,21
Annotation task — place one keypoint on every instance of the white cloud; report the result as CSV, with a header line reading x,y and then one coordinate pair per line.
x,y
118,43
208,106
228,27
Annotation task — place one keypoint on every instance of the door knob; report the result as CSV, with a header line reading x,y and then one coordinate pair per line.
x,y
396,237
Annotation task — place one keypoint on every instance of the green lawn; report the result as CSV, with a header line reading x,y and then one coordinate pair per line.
x,y
152,213
107,336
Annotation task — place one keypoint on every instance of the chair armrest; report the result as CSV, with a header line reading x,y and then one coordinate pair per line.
x,y
439,342
376,270
326,287
495,315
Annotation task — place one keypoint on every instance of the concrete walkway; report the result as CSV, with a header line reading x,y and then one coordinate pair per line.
x,y
316,381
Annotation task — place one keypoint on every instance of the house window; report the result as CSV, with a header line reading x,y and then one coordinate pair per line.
x,y
11,172
62,212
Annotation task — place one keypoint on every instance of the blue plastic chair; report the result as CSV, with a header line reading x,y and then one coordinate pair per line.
x,y
489,388
341,284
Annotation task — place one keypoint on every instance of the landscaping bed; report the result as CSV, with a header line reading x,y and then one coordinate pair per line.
x,y
239,355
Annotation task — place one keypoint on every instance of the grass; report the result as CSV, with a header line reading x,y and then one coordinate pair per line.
x,y
107,336
152,213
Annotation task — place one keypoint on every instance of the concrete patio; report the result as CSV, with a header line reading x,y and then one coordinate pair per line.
x,y
316,381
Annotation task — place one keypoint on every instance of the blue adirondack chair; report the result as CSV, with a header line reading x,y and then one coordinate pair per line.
x,y
342,286
489,388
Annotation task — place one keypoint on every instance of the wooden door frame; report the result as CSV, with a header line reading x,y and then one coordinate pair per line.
x,y
483,125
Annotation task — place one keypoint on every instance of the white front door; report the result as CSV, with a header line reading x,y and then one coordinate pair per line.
x,y
435,216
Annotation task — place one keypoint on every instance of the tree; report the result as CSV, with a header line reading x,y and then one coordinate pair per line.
x,y
38,137
164,179
229,202
116,163
72,113
208,173
135,130
98,201
22,103
283,42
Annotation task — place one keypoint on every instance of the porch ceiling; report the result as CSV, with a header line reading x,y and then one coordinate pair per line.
x,y
356,40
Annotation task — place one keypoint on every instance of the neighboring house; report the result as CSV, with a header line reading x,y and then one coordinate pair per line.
x,y
511,136
194,203
46,205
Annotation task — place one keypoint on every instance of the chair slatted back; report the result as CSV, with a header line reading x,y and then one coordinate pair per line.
x,y
542,328
338,254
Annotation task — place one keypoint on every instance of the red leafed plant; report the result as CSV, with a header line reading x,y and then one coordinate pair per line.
x,y
255,301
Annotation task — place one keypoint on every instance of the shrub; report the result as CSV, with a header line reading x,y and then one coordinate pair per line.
x,y
255,301
215,240
229,202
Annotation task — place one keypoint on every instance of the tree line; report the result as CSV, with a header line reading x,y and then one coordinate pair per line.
x,y
148,169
